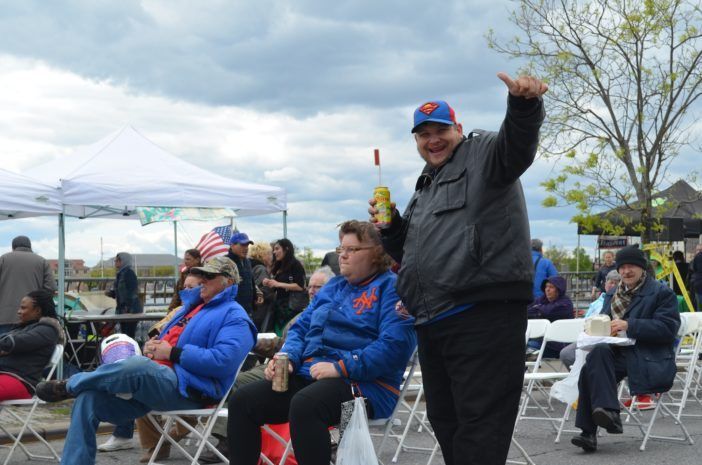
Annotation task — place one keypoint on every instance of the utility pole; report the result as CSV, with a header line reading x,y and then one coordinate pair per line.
x,y
102,260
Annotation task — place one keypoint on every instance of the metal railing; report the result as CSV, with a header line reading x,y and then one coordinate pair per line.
x,y
579,287
159,290
153,291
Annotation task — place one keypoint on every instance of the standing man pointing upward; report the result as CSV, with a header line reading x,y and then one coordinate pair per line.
x,y
466,270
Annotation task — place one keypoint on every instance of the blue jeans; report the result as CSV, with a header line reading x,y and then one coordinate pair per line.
x,y
125,431
152,387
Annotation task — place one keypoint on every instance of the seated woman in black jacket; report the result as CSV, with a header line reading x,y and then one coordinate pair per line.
x,y
26,350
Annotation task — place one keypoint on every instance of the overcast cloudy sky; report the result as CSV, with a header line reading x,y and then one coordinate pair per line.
x,y
295,94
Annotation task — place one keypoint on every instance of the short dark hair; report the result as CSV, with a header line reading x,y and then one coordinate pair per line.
x,y
195,254
44,299
364,230
21,241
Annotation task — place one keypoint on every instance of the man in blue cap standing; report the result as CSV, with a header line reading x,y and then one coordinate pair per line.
x,y
466,271
238,251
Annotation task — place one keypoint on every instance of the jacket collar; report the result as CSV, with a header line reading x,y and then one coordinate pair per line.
x,y
648,288
191,297
429,172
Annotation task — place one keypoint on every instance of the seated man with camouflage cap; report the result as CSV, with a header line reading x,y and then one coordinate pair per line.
x,y
191,364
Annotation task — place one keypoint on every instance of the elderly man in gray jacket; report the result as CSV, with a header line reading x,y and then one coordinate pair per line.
x,y
21,271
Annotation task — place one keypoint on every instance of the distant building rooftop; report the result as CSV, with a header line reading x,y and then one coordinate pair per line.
x,y
145,260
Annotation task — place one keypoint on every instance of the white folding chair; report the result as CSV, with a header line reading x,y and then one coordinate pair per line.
x,y
386,423
32,403
536,329
673,402
423,426
688,363
393,420
527,459
565,331
200,431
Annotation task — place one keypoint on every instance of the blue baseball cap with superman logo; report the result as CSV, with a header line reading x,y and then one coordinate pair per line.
x,y
436,111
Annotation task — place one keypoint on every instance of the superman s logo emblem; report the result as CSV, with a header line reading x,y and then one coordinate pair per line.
x,y
428,108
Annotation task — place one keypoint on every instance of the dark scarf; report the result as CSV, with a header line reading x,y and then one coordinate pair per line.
x,y
622,298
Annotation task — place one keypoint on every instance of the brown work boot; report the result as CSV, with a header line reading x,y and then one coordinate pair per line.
x,y
53,391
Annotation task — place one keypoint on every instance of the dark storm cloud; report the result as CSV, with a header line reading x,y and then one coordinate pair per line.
x,y
294,57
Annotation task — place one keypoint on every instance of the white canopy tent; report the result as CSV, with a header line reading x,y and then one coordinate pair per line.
x,y
125,170
22,197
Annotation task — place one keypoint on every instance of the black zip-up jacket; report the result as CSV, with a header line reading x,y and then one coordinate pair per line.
x,y
27,349
464,237
247,290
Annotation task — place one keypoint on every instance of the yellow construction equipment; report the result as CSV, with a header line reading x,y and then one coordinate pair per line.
x,y
662,253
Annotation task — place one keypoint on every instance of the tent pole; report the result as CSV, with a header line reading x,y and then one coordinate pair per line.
x,y
61,278
175,245
285,223
577,272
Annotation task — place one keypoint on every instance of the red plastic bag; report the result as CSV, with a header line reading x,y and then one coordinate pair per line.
x,y
274,449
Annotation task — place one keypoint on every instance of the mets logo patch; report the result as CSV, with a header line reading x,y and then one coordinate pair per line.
x,y
365,302
428,108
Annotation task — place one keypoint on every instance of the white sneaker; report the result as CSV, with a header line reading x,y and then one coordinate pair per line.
x,y
116,443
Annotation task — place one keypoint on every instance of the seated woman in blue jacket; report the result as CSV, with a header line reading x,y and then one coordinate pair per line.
x,y
27,348
351,336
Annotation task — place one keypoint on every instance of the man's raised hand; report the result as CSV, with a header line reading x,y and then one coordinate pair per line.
x,y
523,86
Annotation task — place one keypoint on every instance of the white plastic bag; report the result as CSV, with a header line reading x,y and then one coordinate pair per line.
x,y
356,446
566,390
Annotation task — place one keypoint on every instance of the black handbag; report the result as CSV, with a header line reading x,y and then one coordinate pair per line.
x,y
299,300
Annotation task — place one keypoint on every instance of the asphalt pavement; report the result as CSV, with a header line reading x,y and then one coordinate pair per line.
x,y
537,438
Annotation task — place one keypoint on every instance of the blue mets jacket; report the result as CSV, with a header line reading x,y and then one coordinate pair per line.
x,y
357,328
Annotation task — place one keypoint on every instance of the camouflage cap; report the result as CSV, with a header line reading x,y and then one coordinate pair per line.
x,y
218,265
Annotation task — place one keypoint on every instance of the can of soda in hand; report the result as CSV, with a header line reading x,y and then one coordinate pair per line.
x,y
280,377
381,194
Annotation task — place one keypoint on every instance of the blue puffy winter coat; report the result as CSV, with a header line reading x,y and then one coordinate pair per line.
x,y
213,344
357,328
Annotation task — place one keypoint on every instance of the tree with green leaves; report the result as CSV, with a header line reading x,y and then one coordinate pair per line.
x,y
579,260
309,261
623,77
558,256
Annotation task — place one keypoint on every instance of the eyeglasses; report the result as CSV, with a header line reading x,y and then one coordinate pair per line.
x,y
352,249
208,276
